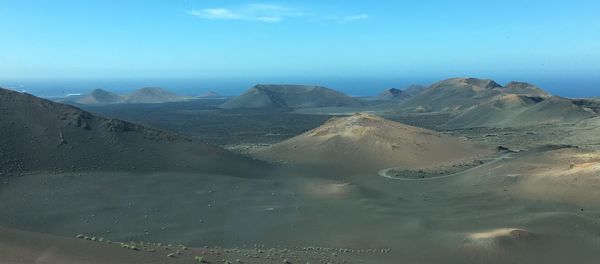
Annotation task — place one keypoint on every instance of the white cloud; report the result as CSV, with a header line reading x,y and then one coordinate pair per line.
x,y
214,13
352,18
269,13
341,19
252,12
271,19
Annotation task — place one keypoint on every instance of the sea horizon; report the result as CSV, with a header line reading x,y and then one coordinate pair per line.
x,y
353,86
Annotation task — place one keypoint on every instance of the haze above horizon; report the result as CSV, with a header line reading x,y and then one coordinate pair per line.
x,y
550,43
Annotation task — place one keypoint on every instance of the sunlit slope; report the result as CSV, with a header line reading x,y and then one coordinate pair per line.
x,y
366,141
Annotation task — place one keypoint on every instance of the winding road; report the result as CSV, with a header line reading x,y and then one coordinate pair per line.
x,y
383,173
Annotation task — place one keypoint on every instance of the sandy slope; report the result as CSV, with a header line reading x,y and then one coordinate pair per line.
x,y
569,175
366,141
19,247
479,217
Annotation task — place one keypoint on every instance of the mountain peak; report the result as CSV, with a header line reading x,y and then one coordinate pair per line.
x,y
394,93
153,95
483,83
524,88
151,90
479,83
290,96
288,88
517,84
99,90
209,94
99,97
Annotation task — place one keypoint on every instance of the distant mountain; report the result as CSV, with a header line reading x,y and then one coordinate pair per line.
x,y
414,89
394,93
153,95
140,96
592,104
458,94
368,141
485,103
452,95
37,134
100,97
400,94
554,110
512,110
290,96
474,83
497,112
209,94
523,88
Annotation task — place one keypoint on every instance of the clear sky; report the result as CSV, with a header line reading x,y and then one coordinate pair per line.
x,y
544,41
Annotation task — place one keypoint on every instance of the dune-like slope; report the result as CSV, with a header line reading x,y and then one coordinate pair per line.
x,y
290,96
370,142
37,134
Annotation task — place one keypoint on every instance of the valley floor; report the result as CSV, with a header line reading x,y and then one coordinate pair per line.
x,y
539,206
491,214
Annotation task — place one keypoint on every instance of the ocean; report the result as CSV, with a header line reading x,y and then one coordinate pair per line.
x,y
354,86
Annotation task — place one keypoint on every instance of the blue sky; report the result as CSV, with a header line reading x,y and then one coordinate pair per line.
x,y
540,41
